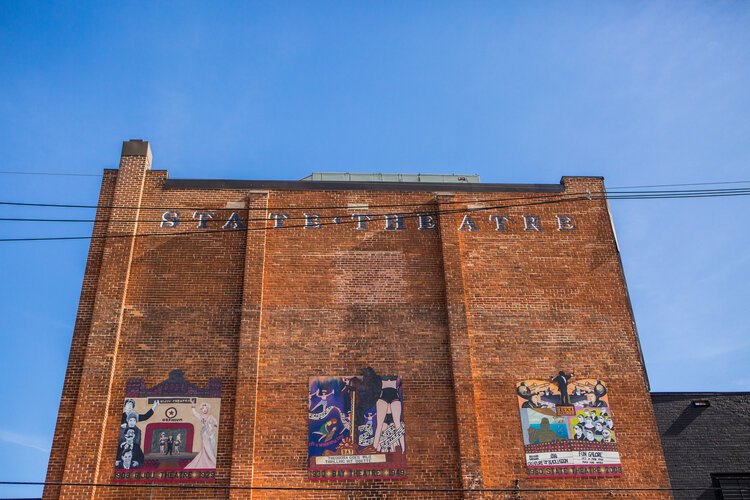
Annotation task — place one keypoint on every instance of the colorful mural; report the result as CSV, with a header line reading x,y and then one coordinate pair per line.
x,y
568,429
168,432
356,428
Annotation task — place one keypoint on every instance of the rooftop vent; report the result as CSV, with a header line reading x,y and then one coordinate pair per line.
x,y
432,178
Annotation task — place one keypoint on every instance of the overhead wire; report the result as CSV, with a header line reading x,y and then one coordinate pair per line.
x,y
681,185
611,194
337,221
352,205
266,228
81,174
65,174
608,197
573,197
365,488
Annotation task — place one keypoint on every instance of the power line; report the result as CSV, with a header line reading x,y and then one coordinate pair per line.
x,y
79,174
321,216
266,228
322,207
703,193
66,174
610,194
337,221
623,195
361,488
682,185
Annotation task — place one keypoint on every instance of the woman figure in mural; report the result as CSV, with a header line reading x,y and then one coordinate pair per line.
x,y
590,435
328,430
367,388
578,433
129,411
599,392
177,443
594,397
388,403
163,443
323,399
608,422
206,458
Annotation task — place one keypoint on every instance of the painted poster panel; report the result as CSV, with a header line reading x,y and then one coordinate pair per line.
x,y
356,427
168,432
568,428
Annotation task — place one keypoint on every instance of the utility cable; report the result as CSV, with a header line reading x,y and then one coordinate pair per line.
x,y
66,174
322,216
266,228
403,215
609,194
77,174
682,185
322,207
362,488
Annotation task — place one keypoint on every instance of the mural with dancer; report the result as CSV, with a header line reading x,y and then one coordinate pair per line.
x,y
567,426
168,432
355,427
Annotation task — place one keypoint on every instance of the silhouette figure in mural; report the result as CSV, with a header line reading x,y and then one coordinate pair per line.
x,y
544,434
561,379
383,393
368,392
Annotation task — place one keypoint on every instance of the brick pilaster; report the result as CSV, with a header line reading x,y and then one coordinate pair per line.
x,y
243,445
460,346
87,431
74,372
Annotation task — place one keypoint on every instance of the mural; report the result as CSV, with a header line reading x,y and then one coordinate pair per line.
x,y
568,429
356,427
168,432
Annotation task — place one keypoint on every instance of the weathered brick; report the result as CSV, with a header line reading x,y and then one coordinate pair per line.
x,y
460,315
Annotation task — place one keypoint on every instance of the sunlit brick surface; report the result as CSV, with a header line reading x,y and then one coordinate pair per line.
x,y
461,315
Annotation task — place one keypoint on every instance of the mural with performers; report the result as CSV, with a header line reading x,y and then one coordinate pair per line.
x,y
168,432
356,427
568,429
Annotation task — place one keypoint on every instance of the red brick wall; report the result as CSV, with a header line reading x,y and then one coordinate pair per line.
x,y
68,400
461,316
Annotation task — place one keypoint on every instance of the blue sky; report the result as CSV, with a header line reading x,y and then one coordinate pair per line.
x,y
639,92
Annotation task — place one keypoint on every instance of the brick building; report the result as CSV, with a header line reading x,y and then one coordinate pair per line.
x,y
484,321
705,437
